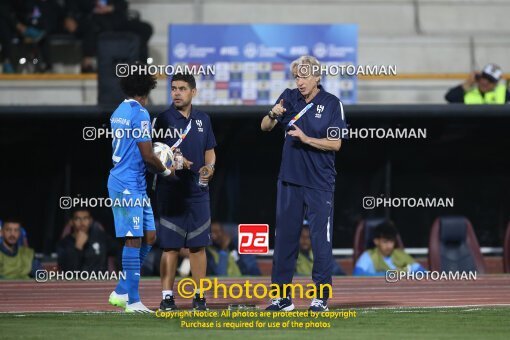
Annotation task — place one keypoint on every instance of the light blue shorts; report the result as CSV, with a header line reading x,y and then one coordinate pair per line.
x,y
133,216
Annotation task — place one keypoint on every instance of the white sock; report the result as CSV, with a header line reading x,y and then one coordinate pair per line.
x,y
167,292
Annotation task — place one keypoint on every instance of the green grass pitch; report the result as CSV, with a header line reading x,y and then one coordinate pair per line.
x,y
396,323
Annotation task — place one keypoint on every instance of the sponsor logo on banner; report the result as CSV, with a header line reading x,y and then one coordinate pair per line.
x,y
320,50
253,238
180,50
250,50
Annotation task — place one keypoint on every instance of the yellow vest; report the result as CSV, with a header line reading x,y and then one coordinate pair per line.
x,y
304,265
498,96
17,267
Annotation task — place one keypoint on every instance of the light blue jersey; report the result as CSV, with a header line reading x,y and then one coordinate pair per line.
x,y
130,124
365,267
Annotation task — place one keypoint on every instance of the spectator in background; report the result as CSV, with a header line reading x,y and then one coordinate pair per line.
x,y
16,261
223,258
304,263
151,264
23,238
7,34
87,247
481,88
31,21
87,18
384,257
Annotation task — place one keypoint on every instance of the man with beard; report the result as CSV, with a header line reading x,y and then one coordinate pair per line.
x,y
16,261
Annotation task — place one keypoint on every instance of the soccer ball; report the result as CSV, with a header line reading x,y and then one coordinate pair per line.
x,y
164,153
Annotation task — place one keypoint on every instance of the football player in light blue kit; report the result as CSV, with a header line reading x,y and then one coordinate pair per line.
x,y
134,220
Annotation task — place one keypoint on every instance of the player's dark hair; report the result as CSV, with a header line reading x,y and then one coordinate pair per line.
x,y
386,230
188,78
135,85
11,219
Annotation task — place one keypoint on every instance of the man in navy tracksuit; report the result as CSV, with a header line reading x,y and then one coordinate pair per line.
x,y
184,204
312,120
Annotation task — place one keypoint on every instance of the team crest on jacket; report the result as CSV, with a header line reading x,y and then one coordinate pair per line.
x,y
320,108
199,124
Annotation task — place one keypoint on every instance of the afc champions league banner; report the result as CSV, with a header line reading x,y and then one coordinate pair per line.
x,y
250,63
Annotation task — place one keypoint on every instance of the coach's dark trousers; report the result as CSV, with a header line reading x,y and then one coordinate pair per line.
x,y
292,203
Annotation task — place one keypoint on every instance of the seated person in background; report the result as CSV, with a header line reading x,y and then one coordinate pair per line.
x,y
23,238
376,261
152,263
88,18
223,258
304,263
481,88
87,247
16,261
31,21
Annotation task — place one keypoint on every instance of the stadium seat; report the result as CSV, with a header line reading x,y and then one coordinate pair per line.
x,y
363,237
506,250
453,246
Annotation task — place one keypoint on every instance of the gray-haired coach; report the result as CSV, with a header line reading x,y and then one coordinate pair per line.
x,y
312,120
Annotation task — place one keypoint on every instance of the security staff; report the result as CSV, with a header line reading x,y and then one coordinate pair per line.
x,y
481,88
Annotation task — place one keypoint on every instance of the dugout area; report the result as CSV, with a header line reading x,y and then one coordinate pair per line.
x,y
463,156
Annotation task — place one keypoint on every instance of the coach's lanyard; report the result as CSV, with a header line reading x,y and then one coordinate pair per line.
x,y
182,137
173,147
299,115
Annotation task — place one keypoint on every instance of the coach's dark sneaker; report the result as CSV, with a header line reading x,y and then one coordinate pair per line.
x,y
168,303
318,305
199,303
281,304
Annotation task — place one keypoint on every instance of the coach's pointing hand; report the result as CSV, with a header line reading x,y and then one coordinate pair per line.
x,y
278,109
270,120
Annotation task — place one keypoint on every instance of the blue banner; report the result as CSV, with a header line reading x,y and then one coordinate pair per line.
x,y
251,62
